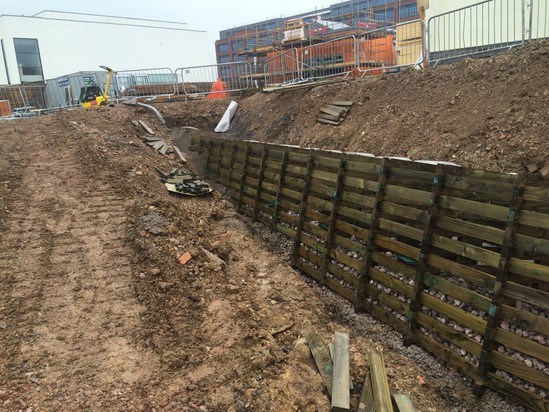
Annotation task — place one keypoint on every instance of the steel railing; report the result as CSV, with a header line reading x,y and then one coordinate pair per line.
x,y
198,80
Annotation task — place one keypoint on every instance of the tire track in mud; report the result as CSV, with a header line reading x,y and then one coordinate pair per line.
x,y
69,307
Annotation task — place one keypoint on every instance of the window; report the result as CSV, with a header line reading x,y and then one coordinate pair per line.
x,y
28,59
224,59
223,48
408,10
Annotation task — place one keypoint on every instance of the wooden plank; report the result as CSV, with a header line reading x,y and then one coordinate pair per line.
x,y
402,403
341,399
164,149
518,393
521,344
146,127
326,116
527,294
327,121
380,385
366,403
322,358
158,144
345,103
519,369
179,154
332,112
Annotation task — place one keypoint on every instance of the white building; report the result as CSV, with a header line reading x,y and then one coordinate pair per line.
x,y
51,44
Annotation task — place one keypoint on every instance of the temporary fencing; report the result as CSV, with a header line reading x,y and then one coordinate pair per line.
x,y
283,68
455,259
332,58
486,27
144,82
384,50
198,80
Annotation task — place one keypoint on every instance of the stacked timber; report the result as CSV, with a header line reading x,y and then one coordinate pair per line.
x,y
334,112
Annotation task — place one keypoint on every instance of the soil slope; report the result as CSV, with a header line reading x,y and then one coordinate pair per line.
x,y
489,114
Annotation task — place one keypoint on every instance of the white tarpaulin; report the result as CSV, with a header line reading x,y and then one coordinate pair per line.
x,y
225,121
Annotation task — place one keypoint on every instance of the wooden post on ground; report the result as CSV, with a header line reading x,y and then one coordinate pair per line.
x,y
502,274
322,358
341,398
380,385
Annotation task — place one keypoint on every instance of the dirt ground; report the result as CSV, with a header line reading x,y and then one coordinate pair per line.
x,y
96,312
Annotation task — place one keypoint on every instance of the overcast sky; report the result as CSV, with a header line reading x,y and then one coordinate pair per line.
x,y
209,15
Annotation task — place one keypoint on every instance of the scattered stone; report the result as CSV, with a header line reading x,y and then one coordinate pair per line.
x,y
532,167
155,272
164,285
3,395
3,325
233,289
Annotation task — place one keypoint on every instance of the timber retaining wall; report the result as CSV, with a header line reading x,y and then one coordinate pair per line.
x,y
455,259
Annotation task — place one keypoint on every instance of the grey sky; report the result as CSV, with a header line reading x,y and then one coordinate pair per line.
x,y
209,15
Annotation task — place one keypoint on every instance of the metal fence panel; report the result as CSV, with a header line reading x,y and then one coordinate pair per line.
x,y
144,82
482,28
537,19
332,58
391,48
283,68
198,80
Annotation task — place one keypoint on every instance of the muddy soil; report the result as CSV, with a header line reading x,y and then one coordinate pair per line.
x,y
98,314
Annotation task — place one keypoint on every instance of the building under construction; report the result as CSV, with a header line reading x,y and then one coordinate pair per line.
x,y
258,42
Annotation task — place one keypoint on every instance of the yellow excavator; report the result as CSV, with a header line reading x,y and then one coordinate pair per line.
x,y
91,94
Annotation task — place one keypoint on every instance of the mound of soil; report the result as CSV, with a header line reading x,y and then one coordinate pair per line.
x,y
488,114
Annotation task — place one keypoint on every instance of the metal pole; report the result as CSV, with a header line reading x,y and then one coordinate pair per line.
x,y
523,21
531,18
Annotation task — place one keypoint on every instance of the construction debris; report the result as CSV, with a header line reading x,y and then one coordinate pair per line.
x,y
322,357
334,112
146,127
159,144
333,365
341,398
184,183
184,258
